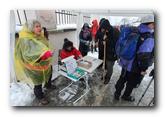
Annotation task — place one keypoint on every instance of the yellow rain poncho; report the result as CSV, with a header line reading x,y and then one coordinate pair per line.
x,y
28,65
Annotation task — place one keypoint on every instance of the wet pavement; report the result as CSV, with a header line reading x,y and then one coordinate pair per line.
x,y
99,94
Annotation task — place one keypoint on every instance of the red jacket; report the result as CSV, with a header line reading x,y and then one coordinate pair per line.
x,y
65,54
94,28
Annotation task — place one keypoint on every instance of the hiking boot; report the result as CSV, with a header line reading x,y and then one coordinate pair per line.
x,y
116,96
82,80
129,98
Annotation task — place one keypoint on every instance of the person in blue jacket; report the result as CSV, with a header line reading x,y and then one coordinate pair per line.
x,y
133,73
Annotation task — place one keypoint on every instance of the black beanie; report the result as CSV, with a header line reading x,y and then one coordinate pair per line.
x,y
65,40
67,44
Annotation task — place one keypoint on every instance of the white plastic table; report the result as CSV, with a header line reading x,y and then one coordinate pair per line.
x,y
95,63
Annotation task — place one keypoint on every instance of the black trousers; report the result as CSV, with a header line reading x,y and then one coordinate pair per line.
x,y
129,79
38,88
38,91
109,67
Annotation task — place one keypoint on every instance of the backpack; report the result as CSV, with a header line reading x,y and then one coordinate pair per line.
x,y
143,56
144,52
127,43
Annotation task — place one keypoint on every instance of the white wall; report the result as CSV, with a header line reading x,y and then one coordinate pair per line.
x,y
56,40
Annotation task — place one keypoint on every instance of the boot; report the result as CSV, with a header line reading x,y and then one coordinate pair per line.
x,y
128,98
116,96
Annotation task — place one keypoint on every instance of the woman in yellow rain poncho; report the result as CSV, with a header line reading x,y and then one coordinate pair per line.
x,y
33,59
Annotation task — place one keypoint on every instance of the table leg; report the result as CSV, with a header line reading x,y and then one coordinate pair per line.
x,y
86,90
66,87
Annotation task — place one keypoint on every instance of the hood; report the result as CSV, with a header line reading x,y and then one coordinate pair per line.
x,y
101,21
95,23
26,33
85,25
105,24
144,29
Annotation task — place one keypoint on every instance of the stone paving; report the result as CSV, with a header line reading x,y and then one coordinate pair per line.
x,y
99,94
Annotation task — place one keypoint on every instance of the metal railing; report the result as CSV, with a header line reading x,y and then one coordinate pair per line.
x,y
65,17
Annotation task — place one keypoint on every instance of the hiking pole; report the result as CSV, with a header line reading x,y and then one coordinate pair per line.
x,y
145,91
104,60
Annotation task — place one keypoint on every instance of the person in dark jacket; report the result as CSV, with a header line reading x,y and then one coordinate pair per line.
x,y
98,38
133,74
107,34
85,39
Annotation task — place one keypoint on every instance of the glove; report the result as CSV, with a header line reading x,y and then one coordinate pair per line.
x,y
87,43
47,55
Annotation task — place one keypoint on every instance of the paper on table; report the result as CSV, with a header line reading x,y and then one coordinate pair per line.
x,y
71,65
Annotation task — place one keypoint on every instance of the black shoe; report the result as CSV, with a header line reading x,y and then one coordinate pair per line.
x,y
82,80
116,96
129,98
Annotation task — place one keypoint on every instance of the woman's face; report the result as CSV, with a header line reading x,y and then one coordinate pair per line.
x,y
69,48
37,29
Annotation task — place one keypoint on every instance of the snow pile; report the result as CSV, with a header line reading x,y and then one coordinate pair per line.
x,y
21,94
66,26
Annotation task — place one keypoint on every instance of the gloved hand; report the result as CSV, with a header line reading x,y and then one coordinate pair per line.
x,y
87,43
47,55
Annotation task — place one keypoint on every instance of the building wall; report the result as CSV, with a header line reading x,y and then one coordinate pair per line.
x,y
56,40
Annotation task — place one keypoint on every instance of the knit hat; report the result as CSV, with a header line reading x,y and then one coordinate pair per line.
x,y
67,44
